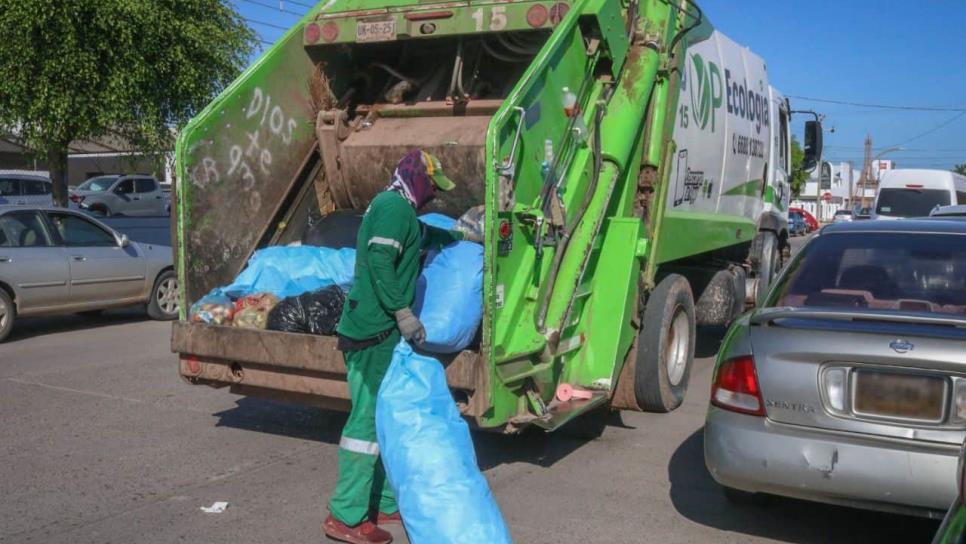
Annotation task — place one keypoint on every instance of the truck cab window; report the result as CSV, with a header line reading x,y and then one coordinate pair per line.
x,y
145,185
125,187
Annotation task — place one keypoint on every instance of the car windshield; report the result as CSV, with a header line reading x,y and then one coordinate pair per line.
x,y
913,272
910,202
98,184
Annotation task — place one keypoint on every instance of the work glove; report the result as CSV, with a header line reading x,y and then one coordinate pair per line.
x,y
471,236
409,326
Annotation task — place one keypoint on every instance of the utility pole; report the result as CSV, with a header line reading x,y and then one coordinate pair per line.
x,y
866,167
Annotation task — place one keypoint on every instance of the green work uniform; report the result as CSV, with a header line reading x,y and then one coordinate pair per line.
x,y
387,265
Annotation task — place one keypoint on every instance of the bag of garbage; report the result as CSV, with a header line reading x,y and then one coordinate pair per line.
x,y
337,230
290,271
471,222
252,311
438,220
428,454
449,297
215,308
310,313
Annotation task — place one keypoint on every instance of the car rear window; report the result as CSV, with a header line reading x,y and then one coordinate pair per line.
x,y
9,187
35,187
910,202
145,185
909,272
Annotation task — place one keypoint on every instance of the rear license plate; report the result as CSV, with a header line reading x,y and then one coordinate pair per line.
x,y
376,31
900,396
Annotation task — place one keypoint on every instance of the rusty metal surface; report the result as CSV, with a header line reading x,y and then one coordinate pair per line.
x,y
286,353
369,156
625,398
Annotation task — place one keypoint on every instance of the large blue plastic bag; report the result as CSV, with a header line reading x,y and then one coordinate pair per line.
x,y
429,458
290,271
438,220
449,297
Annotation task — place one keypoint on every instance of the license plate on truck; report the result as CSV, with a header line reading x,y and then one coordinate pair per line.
x,y
376,31
899,396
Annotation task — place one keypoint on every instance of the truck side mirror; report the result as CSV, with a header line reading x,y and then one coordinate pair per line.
x,y
813,145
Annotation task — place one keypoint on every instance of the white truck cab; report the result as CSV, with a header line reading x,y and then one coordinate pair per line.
x,y
916,193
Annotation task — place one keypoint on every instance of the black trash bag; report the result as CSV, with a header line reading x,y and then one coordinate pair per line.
x,y
337,230
316,312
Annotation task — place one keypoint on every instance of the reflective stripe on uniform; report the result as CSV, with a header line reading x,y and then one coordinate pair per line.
x,y
385,242
359,446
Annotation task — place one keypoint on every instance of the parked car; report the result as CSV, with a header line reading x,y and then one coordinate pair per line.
x,y
848,384
57,261
122,195
842,216
916,193
21,188
949,211
810,220
953,528
796,224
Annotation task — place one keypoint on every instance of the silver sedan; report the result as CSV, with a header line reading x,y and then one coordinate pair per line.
x,y
848,384
55,261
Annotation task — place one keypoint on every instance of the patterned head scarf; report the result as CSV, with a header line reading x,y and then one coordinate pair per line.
x,y
417,176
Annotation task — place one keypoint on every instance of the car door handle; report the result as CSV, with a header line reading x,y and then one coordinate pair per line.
x,y
78,258
6,260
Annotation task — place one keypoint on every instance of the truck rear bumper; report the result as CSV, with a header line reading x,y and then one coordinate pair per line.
x,y
301,368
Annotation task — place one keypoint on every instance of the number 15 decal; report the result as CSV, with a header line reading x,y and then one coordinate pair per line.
x,y
497,18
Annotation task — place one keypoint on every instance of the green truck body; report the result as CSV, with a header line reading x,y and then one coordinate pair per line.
x,y
559,117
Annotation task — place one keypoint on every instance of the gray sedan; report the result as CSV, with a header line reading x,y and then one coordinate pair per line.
x,y
55,261
848,384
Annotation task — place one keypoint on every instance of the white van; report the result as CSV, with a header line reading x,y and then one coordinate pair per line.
x,y
916,193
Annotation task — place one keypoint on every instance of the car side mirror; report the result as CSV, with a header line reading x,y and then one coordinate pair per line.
x,y
813,145
123,240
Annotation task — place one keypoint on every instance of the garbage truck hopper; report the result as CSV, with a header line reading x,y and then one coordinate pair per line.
x,y
558,117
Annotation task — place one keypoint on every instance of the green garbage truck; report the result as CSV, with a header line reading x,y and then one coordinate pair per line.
x,y
633,163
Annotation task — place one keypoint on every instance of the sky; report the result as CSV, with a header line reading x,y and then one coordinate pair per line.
x,y
892,53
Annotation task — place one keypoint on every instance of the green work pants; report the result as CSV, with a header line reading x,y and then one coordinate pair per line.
x,y
362,485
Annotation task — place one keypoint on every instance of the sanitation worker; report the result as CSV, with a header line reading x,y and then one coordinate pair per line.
x,y
376,313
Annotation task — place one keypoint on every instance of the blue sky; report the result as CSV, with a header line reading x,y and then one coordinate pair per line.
x,y
888,52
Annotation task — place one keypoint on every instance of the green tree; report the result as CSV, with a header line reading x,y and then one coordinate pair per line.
x,y
84,69
960,169
798,174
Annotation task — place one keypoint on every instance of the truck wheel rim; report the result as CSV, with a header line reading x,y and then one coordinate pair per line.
x,y
676,353
167,296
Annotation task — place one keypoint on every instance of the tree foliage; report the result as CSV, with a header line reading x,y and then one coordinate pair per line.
x,y
960,169
83,69
798,174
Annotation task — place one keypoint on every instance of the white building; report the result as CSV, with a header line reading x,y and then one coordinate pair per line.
x,y
839,182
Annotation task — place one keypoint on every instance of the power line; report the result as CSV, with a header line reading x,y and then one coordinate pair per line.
x,y
880,106
933,129
269,25
270,6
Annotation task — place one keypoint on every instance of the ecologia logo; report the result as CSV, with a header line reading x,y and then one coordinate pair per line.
x,y
706,91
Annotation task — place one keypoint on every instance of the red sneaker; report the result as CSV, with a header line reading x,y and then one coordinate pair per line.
x,y
364,533
389,519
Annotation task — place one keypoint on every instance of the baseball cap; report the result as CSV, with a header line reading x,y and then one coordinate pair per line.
x,y
435,172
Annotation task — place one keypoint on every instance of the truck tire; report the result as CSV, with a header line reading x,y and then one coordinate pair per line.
x,y
163,305
769,264
665,350
8,312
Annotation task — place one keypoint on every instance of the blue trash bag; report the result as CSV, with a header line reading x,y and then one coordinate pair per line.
x,y
429,458
438,220
214,309
449,297
290,271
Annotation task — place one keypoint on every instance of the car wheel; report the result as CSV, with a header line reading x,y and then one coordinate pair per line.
x,y
8,312
665,346
100,211
769,264
164,302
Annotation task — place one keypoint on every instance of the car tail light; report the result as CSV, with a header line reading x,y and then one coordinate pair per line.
x,y
76,199
736,387
330,31
312,33
537,16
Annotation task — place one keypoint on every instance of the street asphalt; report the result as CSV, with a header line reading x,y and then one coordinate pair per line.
x,y
103,443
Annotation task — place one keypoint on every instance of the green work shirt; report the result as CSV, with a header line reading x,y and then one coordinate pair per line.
x,y
387,264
